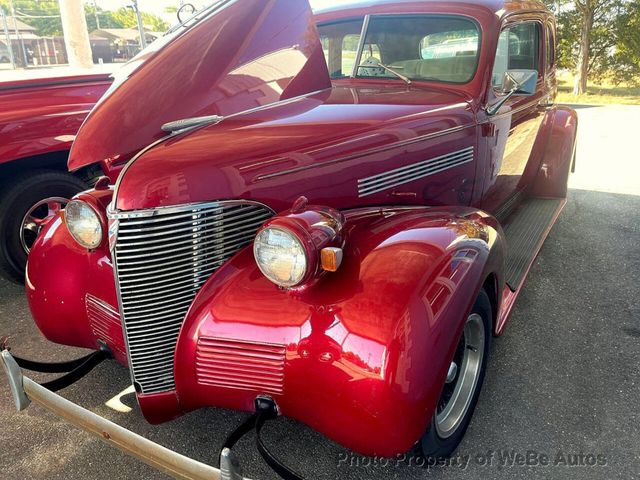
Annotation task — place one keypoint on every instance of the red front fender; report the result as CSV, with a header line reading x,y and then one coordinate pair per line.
x,y
557,153
360,356
71,291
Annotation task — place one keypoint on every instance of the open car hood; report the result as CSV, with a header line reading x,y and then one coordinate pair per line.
x,y
244,54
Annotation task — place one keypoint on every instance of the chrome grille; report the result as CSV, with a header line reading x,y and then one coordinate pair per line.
x,y
162,257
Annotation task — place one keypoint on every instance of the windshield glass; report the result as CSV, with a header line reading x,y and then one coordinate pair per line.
x,y
419,47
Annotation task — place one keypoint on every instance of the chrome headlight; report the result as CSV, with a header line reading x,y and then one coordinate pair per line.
x,y
281,256
83,223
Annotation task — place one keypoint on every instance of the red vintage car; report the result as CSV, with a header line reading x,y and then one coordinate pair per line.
x,y
326,216
39,119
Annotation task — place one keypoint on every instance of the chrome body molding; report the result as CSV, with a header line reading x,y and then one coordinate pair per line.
x,y
399,176
161,259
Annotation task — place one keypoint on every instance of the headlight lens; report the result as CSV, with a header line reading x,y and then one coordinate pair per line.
x,y
280,256
83,224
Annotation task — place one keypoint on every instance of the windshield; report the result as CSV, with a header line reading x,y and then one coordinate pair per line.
x,y
419,47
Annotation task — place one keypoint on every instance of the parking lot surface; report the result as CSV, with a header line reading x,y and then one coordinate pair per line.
x,y
563,382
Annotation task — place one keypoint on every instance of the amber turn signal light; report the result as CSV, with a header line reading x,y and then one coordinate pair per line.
x,y
330,258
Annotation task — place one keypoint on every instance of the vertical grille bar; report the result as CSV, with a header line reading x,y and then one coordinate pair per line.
x,y
162,257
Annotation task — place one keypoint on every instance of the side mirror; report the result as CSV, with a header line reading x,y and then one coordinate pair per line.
x,y
522,81
515,82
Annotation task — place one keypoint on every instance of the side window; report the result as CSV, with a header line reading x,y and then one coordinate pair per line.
x,y
349,52
518,48
550,49
340,46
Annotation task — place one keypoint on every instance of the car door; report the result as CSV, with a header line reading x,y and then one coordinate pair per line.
x,y
515,126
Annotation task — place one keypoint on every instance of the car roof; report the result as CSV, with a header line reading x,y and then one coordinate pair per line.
x,y
501,6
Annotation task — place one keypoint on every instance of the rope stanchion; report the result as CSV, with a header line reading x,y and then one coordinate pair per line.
x,y
266,410
74,370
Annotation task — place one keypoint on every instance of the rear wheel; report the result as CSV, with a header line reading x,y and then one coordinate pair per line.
x,y
462,387
30,201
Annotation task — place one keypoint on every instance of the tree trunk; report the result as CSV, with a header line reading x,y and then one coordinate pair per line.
x,y
580,85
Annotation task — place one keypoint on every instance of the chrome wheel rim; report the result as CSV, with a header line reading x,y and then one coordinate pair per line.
x,y
37,217
457,394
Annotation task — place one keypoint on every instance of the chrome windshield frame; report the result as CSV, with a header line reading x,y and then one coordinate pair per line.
x,y
363,34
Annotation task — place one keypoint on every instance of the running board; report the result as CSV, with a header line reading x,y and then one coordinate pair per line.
x,y
526,230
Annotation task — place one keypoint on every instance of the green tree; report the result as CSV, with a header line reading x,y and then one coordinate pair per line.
x,y
127,18
105,18
625,61
589,32
44,15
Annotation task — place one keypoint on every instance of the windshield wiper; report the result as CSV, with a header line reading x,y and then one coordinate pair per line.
x,y
388,69
187,123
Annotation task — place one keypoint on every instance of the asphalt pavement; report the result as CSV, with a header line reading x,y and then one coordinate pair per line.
x,y
561,399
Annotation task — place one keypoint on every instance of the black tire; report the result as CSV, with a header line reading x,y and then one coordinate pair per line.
x,y
19,194
432,445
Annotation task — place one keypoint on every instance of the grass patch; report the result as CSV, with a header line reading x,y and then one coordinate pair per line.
x,y
597,94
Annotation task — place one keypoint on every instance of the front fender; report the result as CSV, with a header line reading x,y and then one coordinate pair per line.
x,y
71,291
558,153
362,354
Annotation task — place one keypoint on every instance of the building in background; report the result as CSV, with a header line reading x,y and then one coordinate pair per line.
x,y
118,44
21,36
108,45
28,47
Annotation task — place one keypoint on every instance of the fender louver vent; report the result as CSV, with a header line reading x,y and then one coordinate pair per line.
x,y
409,173
105,321
162,257
238,364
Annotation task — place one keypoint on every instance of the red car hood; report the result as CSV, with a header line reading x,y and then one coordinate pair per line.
x,y
247,54
318,145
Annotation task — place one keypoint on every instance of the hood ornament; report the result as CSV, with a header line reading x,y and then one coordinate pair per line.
x,y
188,123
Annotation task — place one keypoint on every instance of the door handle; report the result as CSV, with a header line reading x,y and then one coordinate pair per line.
x,y
545,102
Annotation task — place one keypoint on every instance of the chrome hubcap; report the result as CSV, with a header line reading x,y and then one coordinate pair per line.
x,y
462,378
37,217
453,371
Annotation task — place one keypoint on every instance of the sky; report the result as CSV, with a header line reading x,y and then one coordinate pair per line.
x,y
158,6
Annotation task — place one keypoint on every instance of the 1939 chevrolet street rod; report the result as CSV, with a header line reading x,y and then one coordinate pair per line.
x,y
325,216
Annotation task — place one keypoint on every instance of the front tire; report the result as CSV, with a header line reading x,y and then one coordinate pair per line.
x,y
461,391
25,206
